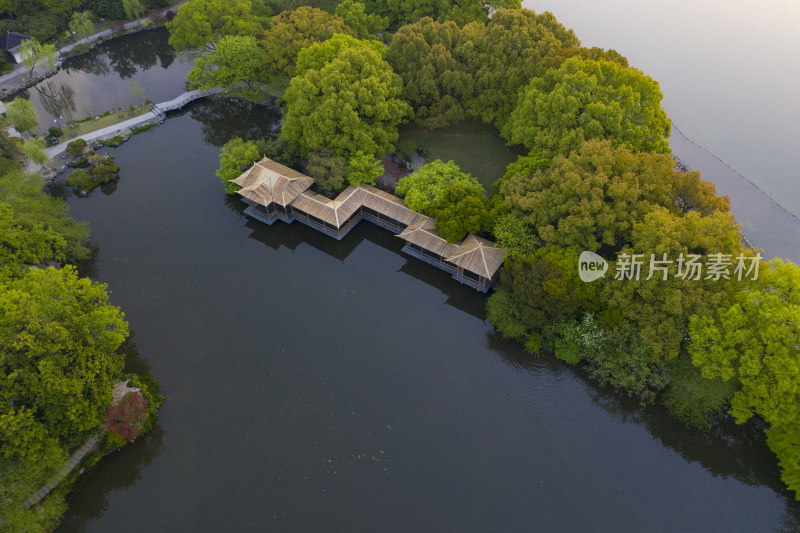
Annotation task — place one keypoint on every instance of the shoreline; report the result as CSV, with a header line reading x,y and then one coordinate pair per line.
x,y
764,222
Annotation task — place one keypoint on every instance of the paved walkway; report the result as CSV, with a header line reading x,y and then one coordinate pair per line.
x,y
121,388
154,116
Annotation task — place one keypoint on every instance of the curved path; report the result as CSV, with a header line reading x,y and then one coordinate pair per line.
x,y
156,115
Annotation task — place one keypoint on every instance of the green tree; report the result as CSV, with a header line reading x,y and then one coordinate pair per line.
x,y
517,238
615,357
659,307
23,245
22,115
234,158
503,56
133,9
586,99
137,91
755,341
350,104
592,197
81,24
435,83
292,31
34,149
424,190
363,168
328,170
461,211
33,208
201,23
237,65
406,11
364,25
32,53
539,290
59,337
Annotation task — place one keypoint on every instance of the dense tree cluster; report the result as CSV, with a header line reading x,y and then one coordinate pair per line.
x,y
345,98
400,12
45,20
59,344
479,69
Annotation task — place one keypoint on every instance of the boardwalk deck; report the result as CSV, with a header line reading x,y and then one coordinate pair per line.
x,y
273,191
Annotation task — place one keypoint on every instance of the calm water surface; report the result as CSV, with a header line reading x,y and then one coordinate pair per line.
x,y
342,386
321,385
101,79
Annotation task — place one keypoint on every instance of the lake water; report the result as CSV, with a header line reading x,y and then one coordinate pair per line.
x,y
102,79
313,384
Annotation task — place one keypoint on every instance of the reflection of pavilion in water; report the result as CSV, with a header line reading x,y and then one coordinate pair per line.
x,y
273,191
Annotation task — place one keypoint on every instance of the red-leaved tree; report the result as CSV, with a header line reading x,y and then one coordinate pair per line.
x,y
128,417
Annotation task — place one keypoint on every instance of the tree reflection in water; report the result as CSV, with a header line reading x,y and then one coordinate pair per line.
x,y
57,99
221,119
728,450
126,55
119,470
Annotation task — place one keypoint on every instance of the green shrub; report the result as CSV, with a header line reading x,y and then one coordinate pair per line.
x,y
114,141
77,147
79,48
80,179
113,441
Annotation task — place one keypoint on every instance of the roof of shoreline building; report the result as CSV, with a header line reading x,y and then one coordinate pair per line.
x,y
424,235
478,255
11,40
270,182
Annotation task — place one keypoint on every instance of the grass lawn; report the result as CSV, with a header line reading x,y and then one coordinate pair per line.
x,y
82,128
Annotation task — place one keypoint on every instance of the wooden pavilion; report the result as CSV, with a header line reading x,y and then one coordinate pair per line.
x,y
274,191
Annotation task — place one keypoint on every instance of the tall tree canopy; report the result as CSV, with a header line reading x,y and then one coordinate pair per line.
x,y
435,82
22,115
404,11
33,53
587,99
237,64
32,209
201,23
59,338
592,197
755,341
424,190
504,55
462,211
235,156
291,31
364,25
352,103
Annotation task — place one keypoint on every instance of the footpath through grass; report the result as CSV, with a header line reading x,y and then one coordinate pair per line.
x,y
76,129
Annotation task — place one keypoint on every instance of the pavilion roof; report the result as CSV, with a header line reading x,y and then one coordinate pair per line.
x,y
268,181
